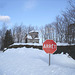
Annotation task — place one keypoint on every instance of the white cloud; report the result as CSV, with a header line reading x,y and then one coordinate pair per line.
x,y
4,18
30,4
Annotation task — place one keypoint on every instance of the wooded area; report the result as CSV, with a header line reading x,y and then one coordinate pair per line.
x,y
61,30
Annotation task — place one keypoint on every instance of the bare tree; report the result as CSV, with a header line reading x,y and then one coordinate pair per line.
x,y
30,28
2,34
42,33
60,29
47,32
69,19
4,28
17,30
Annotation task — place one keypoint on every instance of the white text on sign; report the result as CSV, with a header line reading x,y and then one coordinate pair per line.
x,y
49,46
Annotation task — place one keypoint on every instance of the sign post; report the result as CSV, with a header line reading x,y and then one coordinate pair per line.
x,y
49,59
49,46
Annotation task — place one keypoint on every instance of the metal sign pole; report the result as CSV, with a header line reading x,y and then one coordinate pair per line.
x,y
49,59
49,46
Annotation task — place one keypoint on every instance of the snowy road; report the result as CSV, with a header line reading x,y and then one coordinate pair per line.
x,y
28,61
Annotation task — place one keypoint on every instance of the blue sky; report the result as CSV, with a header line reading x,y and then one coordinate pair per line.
x,y
31,12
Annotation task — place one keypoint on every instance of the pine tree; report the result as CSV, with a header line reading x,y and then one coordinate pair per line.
x,y
8,40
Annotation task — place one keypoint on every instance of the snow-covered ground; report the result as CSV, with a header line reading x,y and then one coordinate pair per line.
x,y
1,52
29,61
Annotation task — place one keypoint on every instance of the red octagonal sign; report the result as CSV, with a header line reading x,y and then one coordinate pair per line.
x,y
49,46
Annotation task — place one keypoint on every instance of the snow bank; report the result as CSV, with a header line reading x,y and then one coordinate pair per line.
x,y
40,44
35,44
29,61
62,44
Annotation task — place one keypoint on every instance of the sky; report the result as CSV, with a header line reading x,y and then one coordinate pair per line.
x,y
31,12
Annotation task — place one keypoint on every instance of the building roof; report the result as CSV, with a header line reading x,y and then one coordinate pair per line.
x,y
33,31
36,38
29,37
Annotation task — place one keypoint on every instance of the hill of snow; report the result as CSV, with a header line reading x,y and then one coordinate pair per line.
x,y
29,61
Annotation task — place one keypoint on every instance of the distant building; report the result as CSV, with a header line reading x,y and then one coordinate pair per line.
x,y
71,33
0,42
32,37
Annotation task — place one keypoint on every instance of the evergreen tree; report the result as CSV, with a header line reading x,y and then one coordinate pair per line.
x,y
8,40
